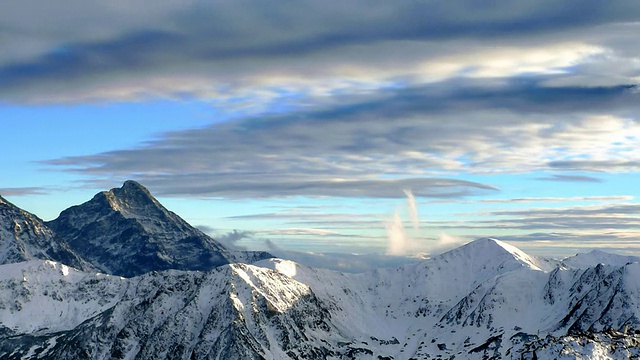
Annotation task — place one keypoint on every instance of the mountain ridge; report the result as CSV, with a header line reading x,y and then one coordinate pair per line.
x,y
126,231
484,300
123,231
277,309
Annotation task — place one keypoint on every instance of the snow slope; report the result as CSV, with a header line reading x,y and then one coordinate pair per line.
x,y
595,257
484,299
232,312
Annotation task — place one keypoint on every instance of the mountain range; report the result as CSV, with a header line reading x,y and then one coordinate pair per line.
x,y
124,231
121,277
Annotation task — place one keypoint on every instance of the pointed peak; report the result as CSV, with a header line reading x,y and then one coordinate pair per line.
x,y
130,198
131,190
491,249
133,185
491,243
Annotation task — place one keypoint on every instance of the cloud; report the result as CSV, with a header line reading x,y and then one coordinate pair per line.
x,y
617,165
399,243
558,199
357,100
24,191
570,178
344,262
303,232
215,50
608,210
229,239
374,144
412,209
565,244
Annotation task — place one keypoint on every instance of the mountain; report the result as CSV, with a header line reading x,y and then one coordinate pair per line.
x,y
23,237
126,231
595,257
235,311
485,300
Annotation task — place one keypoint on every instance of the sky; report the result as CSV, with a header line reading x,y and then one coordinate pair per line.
x,y
365,127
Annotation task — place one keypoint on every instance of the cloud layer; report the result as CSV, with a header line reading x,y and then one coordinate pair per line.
x,y
351,100
215,49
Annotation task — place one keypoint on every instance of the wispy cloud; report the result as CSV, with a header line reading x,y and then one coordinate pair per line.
x,y
344,262
374,148
558,199
570,178
24,191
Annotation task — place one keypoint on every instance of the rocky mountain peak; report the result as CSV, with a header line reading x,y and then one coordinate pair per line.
x,y
132,190
127,232
132,198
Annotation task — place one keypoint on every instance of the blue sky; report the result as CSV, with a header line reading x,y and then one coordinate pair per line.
x,y
380,127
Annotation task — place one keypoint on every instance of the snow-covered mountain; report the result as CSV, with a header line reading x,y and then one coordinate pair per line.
x,y
185,296
126,231
484,300
595,257
23,237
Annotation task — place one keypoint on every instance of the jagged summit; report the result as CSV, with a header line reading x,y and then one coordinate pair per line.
x,y
131,193
126,231
130,199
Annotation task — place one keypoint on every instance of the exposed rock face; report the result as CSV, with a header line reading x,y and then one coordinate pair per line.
x,y
127,232
23,237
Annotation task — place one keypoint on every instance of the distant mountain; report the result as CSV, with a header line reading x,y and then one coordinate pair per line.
x,y
126,231
595,257
484,300
23,237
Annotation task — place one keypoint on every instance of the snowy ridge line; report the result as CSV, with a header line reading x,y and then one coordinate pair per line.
x,y
180,294
482,300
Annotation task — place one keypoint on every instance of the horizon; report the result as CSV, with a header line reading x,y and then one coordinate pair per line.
x,y
335,261
367,128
